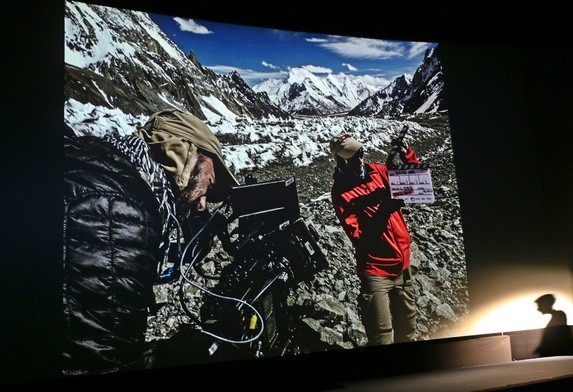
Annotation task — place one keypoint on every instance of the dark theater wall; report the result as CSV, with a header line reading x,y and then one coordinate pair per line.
x,y
511,103
512,140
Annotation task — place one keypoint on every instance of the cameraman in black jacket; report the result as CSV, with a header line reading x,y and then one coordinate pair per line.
x,y
123,195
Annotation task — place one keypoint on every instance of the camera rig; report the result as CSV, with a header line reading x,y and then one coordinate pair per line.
x,y
272,250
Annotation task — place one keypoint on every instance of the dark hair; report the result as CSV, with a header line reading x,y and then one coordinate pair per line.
x,y
546,299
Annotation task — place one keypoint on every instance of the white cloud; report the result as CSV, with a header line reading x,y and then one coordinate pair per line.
x,y
368,48
417,48
191,26
363,48
350,67
375,81
316,69
315,39
268,65
224,69
248,75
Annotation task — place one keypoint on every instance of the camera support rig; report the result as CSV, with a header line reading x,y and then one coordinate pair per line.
x,y
272,250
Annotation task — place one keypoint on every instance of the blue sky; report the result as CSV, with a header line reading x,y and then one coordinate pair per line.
x,y
262,53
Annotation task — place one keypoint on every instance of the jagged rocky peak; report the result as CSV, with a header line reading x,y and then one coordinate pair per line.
x,y
302,92
142,60
409,94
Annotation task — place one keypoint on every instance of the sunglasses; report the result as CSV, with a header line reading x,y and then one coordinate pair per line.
x,y
358,154
353,161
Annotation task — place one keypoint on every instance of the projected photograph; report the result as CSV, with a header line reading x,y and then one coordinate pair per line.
x,y
280,264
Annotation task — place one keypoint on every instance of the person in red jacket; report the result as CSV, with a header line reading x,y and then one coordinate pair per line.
x,y
375,224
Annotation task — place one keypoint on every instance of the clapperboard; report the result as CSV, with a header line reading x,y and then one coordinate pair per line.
x,y
410,182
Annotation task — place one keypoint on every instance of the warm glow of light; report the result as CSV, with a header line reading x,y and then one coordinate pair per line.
x,y
519,313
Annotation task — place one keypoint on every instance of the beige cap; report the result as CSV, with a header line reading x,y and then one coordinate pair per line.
x,y
345,146
174,137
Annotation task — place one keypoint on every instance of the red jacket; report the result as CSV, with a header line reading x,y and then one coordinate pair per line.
x,y
376,228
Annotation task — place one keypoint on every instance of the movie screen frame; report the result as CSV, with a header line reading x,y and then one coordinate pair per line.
x,y
265,107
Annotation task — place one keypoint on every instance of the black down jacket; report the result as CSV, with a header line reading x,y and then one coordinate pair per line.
x,y
112,231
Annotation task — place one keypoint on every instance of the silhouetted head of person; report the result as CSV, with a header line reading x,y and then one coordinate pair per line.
x,y
545,303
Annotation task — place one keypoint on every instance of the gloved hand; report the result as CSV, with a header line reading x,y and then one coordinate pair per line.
x,y
388,207
372,226
403,150
392,205
401,144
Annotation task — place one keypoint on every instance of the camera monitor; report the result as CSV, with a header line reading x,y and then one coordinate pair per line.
x,y
268,203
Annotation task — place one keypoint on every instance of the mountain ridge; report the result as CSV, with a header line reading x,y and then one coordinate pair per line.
x,y
143,60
